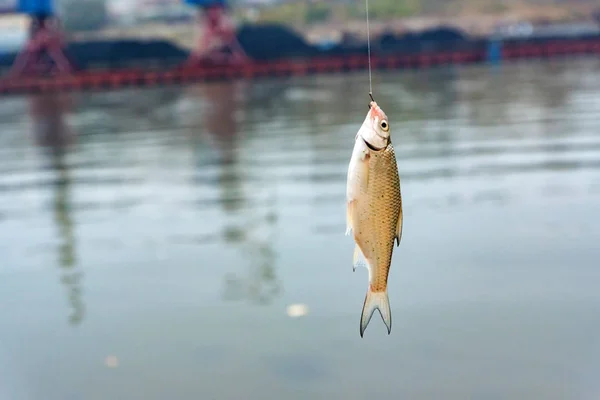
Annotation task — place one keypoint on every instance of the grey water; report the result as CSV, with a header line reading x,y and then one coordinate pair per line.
x,y
152,241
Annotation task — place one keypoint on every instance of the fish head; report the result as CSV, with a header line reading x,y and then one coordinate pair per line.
x,y
375,130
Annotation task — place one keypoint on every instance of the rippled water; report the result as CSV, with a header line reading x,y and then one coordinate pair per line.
x,y
153,240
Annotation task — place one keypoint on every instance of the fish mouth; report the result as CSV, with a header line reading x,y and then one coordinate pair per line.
x,y
370,146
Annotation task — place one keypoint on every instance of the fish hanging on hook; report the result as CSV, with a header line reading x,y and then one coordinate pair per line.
x,y
374,209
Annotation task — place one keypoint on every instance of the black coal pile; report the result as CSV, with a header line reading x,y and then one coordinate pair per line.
x,y
435,39
273,41
269,42
118,54
123,53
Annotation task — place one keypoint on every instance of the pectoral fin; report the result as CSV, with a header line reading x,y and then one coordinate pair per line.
x,y
358,178
349,213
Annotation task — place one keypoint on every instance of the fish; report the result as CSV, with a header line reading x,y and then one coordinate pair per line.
x,y
374,210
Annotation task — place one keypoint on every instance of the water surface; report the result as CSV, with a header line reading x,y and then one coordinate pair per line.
x,y
152,240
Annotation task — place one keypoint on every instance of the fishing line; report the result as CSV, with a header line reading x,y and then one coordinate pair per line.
x,y
369,50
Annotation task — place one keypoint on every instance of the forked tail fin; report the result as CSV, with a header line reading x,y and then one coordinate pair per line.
x,y
376,301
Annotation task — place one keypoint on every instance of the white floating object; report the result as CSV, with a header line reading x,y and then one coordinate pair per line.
x,y
111,362
297,310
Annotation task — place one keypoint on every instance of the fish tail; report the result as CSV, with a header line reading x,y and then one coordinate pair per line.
x,y
376,301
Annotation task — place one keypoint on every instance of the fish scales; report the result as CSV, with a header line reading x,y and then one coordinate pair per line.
x,y
380,217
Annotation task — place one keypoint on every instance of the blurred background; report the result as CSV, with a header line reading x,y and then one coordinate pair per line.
x,y
186,241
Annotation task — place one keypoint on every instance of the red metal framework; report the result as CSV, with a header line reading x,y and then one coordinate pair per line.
x,y
218,41
44,51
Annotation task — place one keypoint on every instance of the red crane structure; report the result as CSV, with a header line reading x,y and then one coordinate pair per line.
x,y
218,41
43,52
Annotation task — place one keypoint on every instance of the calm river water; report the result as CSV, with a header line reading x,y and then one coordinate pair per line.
x,y
152,241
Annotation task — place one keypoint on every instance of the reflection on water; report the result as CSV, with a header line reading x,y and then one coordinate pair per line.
x,y
251,234
54,136
71,277
201,215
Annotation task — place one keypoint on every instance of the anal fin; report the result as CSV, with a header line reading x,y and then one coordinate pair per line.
x,y
359,259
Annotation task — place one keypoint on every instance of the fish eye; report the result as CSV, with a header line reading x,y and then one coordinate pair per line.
x,y
384,125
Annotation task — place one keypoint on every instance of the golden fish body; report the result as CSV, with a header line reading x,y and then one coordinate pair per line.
x,y
374,210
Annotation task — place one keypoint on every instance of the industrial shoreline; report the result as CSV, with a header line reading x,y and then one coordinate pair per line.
x,y
276,50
